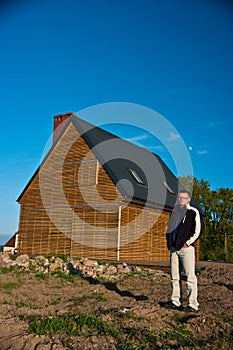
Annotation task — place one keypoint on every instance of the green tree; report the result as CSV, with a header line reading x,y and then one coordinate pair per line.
x,y
221,223
216,241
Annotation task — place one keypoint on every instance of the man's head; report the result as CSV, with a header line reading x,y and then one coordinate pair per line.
x,y
184,198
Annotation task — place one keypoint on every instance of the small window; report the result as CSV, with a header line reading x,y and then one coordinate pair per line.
x,y
136,176
168,187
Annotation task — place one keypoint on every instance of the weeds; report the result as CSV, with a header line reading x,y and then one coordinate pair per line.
x,y
113,318
56,301
62,275
72,325
199,270
5,270
229,320
41,276
21,303
128,315
98,297
183,336
10,286
63,257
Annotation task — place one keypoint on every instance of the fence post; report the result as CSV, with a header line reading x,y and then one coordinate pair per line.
x,y
225,246
119,234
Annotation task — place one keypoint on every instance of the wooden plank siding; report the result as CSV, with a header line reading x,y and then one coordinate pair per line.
x,y
72,190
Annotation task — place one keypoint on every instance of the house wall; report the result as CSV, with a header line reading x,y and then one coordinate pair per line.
x,y
72,207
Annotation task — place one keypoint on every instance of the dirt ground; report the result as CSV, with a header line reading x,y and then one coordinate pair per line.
x,y
125,314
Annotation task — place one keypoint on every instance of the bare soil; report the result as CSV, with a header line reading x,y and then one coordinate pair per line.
x,y
129,306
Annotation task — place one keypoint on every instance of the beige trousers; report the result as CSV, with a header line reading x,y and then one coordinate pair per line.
x,y
185,257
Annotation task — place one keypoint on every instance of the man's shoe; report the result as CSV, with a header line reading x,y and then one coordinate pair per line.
x,y
190,309
170,306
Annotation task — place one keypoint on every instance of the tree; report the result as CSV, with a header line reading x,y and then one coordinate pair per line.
x,y
221,222
216,241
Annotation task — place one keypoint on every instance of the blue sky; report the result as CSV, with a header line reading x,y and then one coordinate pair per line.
x,y
174,57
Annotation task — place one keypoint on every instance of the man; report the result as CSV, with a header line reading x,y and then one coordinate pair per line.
x,y
183,230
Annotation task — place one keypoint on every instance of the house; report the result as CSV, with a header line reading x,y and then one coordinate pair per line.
x,y
96,195
11,245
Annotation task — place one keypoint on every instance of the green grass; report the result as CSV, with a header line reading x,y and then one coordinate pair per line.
x,y
71,325
126,336
17,270
5,270
21,303
63,257
199,270
41,276
68,277
183,336
128,315
10,286
97,296
229,320
56,301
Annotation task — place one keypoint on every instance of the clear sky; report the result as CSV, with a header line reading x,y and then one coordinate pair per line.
x,y
174,57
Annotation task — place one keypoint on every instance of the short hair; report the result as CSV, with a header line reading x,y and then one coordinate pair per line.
x,y
185,191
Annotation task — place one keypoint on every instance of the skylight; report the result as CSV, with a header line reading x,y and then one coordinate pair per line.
x,y
168,187
136,176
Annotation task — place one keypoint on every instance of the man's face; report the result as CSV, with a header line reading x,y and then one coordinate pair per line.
x,y
184,199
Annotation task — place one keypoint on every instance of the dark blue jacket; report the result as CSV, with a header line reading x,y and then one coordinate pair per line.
x,y
188,229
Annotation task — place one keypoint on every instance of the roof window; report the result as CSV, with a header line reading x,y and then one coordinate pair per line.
x,y
136,176
168,187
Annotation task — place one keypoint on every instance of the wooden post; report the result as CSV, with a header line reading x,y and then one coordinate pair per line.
x,y
225,246
119,234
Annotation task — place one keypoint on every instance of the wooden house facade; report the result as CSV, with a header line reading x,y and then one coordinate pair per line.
x,y
98,196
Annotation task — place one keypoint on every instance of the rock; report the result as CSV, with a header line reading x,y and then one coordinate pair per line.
x,y
89,263
119,267
25,265
41,260
54,266
137,269
5,259
85,267
100,270
123,268
22,258
59,261
109,270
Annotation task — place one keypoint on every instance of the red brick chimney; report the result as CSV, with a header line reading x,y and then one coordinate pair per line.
x,y
59,123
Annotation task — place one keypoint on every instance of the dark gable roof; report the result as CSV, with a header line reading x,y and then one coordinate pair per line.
x,y
120,157
140,175
11,241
